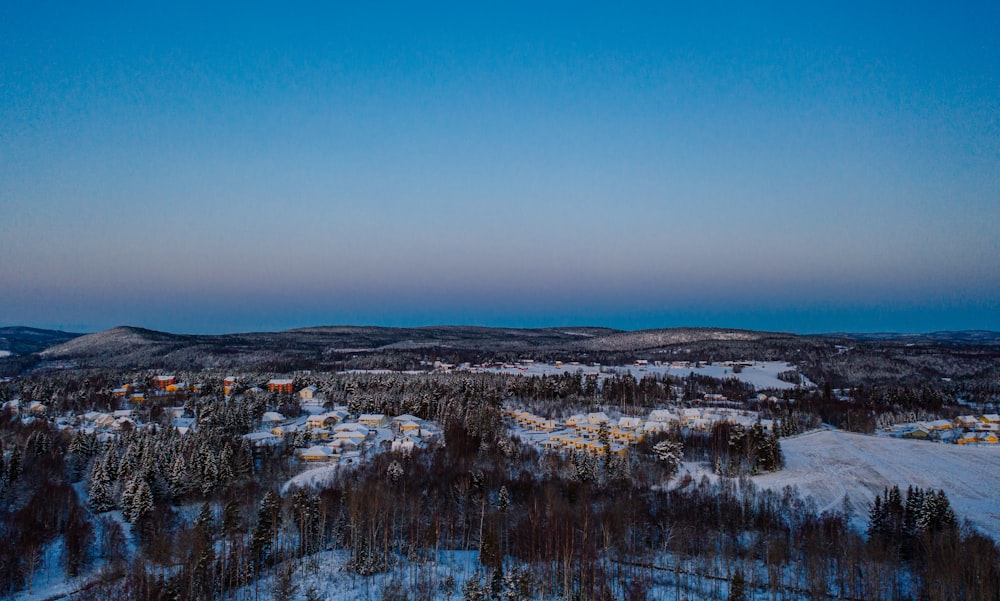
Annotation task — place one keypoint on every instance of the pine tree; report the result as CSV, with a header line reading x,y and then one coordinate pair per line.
x,y
268,521
128,498
503,500
737,587
670,454
877,518
14,464
142,502
178,481
101,498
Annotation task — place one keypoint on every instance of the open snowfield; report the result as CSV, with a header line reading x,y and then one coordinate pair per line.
x,y
762,374
829,464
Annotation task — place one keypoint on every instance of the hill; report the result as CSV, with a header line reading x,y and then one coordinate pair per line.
x,y
841,359
20,340
831,464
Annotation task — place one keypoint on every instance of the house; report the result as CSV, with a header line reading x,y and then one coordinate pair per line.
x,y
319,433
162,382
654,426
410,428
100,420
175,387
308,393
938,425
282,386
991,418
228,384
576,420
919,433
544,425
36,407
272,417
968,438
406,417
966,421
283,430
317,420
403,445
317,453
662,415
345,444
595,419
259,439
630,423
373,420
137,397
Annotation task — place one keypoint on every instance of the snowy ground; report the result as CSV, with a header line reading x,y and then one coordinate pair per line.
x,y
762,374
829,464
5,354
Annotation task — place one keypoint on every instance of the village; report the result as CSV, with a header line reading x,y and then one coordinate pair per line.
x,y
964,430
319,433
598,433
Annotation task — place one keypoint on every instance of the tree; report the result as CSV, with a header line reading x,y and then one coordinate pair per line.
x,y
670,454
142,502
737,587
394,472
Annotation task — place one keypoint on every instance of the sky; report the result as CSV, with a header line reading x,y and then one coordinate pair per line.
x,y
804,167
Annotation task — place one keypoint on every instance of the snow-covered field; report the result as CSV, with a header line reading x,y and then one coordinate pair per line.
x,y
762,374
829,464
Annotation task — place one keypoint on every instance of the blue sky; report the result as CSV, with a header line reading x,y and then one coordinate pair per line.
x,y
256,167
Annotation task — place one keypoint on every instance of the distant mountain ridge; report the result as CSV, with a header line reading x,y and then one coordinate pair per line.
x,y
21,340
942,337
842,358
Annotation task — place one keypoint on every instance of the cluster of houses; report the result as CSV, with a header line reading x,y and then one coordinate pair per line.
x,y
590,431
334,436
964,429
29,408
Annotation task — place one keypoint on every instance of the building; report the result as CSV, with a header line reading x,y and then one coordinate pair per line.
x,y
162,382
373,420
281,386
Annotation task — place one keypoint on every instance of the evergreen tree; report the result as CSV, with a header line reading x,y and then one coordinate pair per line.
x,y
268,521
737,587
141,506
101,497
14,464
670,454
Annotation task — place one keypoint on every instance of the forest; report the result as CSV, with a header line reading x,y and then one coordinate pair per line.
x,y
151,514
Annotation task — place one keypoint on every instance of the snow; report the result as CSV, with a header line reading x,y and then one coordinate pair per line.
x,y
828,464
760,374
5,354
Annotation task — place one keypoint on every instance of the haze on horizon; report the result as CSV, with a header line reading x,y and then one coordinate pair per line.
x,y
232,168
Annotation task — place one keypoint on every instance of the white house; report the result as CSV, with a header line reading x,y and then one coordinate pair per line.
x,y
595,419
272,417
373,420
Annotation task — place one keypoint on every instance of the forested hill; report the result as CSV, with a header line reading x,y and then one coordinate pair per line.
x,y
840,359
20,340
